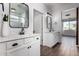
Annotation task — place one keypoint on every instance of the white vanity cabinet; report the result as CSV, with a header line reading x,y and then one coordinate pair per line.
x,y
27,46
51,40
17,48
2,49
23,47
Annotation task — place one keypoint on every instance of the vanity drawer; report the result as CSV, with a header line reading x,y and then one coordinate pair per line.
x,y
32,39
15,44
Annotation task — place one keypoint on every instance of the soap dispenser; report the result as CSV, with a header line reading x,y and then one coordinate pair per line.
x,y
5,25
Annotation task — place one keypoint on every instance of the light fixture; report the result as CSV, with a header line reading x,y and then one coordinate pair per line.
x,y
67,15
13,9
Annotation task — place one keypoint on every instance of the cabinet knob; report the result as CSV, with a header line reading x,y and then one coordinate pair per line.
x,y
30,47
37,38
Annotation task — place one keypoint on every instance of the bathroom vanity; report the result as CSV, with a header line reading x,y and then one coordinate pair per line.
x,y
20,43
24,45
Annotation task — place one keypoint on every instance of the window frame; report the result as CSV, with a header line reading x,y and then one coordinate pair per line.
x,y
69,23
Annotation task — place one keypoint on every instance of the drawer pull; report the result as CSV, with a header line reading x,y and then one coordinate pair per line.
x,y
15,44
29,47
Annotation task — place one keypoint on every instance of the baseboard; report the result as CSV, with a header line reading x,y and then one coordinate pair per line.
x,y
68,35
56,44
77,46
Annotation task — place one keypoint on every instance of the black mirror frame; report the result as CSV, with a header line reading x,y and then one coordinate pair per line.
x,y
9,16
2,6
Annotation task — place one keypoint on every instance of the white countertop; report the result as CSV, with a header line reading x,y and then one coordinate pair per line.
x,y
15,37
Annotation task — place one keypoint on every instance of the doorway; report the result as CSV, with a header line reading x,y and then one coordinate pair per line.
x,y
69,23
38,24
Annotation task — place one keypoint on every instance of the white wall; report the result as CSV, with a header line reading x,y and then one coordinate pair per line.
x,y
15,31
51,38
37,26
58,27
71,11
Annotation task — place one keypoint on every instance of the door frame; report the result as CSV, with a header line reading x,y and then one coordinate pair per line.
x,y
76,24
41,25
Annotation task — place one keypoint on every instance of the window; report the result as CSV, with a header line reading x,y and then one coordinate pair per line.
x,y
72,25
65,25
69,25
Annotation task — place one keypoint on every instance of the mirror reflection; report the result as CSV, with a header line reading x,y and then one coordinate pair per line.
x,y
19,15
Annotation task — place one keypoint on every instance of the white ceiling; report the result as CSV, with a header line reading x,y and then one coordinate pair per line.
x,y
60,6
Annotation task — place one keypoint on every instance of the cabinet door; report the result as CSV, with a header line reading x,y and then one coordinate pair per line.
x,y
34,49
2,49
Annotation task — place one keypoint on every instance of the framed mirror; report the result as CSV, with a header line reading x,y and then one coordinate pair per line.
x,y
49,23
18,15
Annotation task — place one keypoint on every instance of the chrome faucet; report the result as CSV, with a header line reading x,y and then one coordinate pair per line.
x,y
22,31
